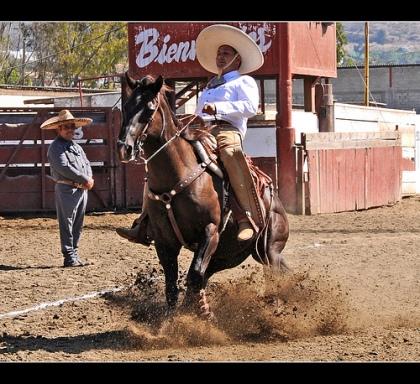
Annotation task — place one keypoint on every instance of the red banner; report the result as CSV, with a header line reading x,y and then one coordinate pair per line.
x,y
168,49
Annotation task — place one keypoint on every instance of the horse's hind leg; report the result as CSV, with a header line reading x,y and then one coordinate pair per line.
x,y
275,265
278,234
196,281
168,258
275,257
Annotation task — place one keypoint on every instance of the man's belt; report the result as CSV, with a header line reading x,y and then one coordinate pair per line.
x,y
219,122
72,183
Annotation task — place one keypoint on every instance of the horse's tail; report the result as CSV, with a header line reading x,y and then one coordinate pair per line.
x,y
261,241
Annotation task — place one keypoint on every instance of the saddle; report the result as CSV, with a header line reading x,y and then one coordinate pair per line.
x,y
205,147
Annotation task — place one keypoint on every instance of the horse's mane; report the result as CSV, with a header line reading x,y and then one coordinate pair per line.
x,y
166,88
198,131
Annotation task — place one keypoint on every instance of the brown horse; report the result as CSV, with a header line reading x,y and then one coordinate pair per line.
x,y
150,128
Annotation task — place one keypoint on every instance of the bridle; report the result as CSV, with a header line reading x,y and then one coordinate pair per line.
x,y
167,197
141,139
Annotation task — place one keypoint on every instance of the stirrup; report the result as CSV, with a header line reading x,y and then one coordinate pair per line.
x,y
246,233
129,234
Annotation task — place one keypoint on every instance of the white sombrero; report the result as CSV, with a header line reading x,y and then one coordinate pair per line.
x,y
64,117
212,37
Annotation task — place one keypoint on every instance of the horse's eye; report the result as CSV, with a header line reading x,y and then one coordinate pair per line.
x,y
151,105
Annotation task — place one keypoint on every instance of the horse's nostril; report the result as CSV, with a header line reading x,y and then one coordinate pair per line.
x,y
124,151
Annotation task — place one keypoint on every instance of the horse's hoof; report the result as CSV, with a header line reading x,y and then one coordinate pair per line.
x,y
170,312
206,313
203,300
209,316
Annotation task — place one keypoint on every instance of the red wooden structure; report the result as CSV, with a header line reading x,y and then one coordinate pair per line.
x,y
290,49
349,171
25,182
340,173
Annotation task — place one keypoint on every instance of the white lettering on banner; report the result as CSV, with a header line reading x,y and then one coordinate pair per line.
x,y
182,51
259,38
148,49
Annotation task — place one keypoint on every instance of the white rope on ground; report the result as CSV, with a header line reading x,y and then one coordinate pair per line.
x,y
59,302
87,296
314,245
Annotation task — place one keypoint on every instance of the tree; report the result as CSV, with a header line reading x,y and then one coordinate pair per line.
x,y
45,55
380,37
8,57
25,35
61,53
341,39
88,50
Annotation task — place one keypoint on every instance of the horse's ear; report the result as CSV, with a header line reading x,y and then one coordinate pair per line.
x,y
131,82
157,85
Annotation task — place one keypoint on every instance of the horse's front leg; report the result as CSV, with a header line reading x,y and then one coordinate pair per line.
x,y
168,257
196,279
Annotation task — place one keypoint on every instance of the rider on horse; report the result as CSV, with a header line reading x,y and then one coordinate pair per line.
x,y
227,102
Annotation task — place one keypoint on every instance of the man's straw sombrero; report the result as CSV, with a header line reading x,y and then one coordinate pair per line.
x,y
212,37
64,117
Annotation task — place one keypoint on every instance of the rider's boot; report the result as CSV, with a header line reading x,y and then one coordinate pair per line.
x,y
233,159
130,234
138,233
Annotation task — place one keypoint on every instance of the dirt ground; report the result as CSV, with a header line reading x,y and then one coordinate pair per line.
x,y
353,295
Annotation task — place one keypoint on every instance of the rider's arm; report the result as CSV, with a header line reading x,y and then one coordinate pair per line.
x,y
245,103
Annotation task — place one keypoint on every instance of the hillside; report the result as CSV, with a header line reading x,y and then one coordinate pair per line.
x,y
390,42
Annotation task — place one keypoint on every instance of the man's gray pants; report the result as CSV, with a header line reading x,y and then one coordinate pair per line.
x,y
71,206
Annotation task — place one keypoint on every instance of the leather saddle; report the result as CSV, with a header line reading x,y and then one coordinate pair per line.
x,y
205,146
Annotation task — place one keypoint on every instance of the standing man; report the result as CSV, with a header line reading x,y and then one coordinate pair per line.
x,y
228,100
72,174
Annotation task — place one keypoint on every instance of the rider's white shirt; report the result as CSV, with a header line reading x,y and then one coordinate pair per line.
x,y
235,101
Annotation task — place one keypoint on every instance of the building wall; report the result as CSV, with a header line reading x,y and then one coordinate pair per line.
x,y
14,101
417,154
108,99
396,86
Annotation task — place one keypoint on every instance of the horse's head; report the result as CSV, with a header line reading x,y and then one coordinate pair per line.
x,y
137,114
